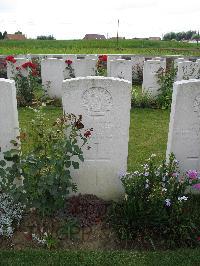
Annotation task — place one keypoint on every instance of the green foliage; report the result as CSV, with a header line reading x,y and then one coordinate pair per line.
x,y
69,229
18,32
27,81
166,80
46,168
101,68
179,35
4,34
142,100
43,37
155,206
26,88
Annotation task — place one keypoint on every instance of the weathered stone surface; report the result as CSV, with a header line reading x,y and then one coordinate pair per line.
x,y
105,105
184,127
120,68
9,126
112,57
150,84
188,70
85,67
52,73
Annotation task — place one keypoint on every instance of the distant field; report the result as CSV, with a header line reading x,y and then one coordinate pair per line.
x,y
99,47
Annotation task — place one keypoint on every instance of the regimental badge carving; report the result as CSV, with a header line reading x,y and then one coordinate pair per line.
x,y
97,101
196,105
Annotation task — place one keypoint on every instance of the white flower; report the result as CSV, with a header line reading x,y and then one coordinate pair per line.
x,y
168,202
182,198
153,155
164,189
146,186
136,173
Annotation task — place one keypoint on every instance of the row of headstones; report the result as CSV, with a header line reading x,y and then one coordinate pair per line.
x,y
185,70
105,106
54,70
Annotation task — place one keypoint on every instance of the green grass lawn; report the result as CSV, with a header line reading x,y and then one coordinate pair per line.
x,y
145,47
148,132
187,257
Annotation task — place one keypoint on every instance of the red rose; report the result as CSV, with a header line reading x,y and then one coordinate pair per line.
x,y
34,73
69,62
87,134
103,58
30,65
10,58
18,68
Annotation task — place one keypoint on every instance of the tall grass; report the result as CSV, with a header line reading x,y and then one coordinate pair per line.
x,y
98,46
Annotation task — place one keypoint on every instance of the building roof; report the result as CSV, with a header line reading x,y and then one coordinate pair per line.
x,y
94,37
15,37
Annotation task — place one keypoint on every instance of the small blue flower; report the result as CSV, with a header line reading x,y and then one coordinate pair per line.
x,y
168,202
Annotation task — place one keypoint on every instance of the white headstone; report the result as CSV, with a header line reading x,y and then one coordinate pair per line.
x,y
52,73
188,70
178,60
184,127
85,67
150,84
120,68
111,57
104,104
9,126
11,68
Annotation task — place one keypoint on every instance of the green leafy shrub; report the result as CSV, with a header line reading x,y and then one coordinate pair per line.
x,y
142,100
27,80
156,206
166,79
26,85
102,65
46,168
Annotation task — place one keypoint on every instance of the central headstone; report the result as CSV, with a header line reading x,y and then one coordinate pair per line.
x,y
151,70
184,127
105,105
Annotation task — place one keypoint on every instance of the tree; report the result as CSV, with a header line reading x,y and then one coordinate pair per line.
x,y
179,36
18,32
4,34
1,35
43,37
